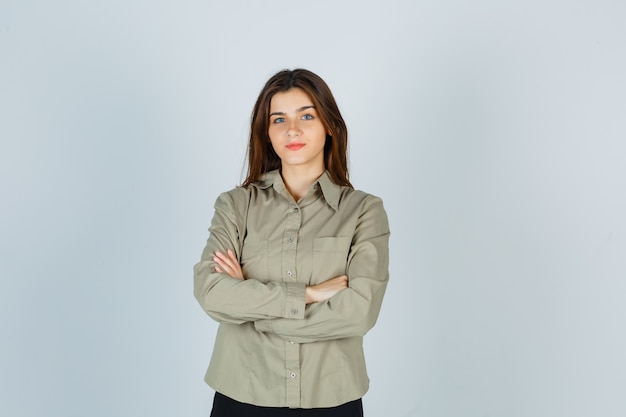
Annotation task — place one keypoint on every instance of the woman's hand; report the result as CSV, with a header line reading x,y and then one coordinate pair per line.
x,y
228,264
325,290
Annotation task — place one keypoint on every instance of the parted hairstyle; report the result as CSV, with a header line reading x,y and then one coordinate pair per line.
x,y
261,155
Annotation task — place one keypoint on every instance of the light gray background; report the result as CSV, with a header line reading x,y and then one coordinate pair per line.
x,y
493,130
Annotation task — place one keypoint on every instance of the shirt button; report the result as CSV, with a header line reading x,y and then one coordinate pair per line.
x,y
294,311
290,239
289,274
292,342
293,375
294,210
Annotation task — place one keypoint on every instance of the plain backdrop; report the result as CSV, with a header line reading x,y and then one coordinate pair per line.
x,y
494,131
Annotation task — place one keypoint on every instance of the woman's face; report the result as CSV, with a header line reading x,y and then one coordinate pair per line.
x,y
296,132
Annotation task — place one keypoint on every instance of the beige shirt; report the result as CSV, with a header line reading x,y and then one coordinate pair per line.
x,y
271,349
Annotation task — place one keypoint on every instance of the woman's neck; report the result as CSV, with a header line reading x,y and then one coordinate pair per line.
x,y
298,180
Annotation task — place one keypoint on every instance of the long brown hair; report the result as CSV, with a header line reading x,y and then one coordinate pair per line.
x,y
261,155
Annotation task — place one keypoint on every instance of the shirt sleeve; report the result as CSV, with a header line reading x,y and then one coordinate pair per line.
x,y
231,300
353,311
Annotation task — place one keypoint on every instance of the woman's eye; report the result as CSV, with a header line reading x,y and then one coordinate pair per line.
x,y
279,120
307,117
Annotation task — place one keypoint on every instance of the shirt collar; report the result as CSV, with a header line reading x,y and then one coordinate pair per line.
x,y
330,190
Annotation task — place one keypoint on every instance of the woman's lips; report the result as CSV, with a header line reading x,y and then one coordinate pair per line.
x,y
294,146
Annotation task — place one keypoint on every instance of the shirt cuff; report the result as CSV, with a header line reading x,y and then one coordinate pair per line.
x,y
295,301
295,304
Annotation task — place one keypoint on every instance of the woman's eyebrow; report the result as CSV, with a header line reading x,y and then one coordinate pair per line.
x,y
298,110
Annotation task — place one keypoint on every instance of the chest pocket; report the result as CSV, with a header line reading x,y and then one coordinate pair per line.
x,y
330,257
254,260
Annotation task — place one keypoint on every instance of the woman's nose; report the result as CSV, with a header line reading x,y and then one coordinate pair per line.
x,y
294,128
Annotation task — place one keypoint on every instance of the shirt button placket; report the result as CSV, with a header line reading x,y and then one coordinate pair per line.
x,y
292,371
290,243
292,349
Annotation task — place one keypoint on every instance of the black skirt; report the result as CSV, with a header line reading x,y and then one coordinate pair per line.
x,y
224,406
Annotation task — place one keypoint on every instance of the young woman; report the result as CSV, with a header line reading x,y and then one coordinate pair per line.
x,y
296,264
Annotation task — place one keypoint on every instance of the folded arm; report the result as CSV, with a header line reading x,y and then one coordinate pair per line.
x,y
353,311
235,300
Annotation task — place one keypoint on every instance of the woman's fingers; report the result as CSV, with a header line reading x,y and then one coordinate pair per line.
x,y
223,260
228,263
326,289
